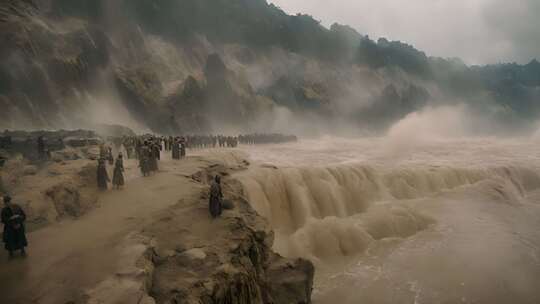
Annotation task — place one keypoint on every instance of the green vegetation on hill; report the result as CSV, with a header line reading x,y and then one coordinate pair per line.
x,y
45,63
257,23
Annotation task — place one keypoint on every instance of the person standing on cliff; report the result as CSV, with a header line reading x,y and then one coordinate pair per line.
x,y
216,197
13,218
118,175
102,175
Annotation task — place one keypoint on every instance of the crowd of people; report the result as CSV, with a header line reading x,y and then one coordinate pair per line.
x,y
147,149
180,143
274,138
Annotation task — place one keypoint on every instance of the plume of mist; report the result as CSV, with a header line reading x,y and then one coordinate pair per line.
x,y
425,126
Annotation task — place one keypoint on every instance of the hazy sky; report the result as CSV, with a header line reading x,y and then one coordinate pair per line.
x,y
478,31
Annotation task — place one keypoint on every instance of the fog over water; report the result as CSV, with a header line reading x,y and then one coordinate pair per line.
x,y
430,216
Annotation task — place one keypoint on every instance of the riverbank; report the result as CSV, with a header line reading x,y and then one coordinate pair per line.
x,y
154,242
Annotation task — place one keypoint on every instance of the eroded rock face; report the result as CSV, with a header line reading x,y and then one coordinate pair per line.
x,y
51,190
290,281
250,273
226,260
44,62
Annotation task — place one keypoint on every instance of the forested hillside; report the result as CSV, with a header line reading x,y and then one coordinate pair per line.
x,y
207,65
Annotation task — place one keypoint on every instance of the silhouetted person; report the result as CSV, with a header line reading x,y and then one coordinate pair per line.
x,y
153,157
176,149
118,175
156,149
102,175
144,160
216,197
13,218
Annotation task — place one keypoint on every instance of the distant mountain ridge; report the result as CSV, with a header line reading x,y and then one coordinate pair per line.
x,y
144,64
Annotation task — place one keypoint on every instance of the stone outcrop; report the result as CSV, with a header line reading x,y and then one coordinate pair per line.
x,y
51,190
231,261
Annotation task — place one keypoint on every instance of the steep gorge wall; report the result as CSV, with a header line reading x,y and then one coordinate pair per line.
x,y
227,260
77,64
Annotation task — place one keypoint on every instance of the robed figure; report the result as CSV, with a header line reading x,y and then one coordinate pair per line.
x,y
176,150
144,160
13,218
118,174
216,197
102,175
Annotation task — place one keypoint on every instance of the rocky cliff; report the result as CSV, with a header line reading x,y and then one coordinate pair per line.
x,y
199,66
230,261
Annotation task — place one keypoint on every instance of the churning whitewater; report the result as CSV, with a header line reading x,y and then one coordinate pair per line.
x,y
423,220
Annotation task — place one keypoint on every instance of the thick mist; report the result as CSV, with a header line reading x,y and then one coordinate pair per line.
x,y
73,64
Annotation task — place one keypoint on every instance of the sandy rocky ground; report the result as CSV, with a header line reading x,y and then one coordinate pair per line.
x,y
151,242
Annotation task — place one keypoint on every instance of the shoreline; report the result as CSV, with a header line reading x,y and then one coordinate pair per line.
x,y
172,254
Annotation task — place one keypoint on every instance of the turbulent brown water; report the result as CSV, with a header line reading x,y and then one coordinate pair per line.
x,y
417,220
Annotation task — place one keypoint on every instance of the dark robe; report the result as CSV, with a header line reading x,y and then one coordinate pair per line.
x,y
144,161
144,165
176,150
216,196
14,232
118,175
182,150
152,161
157,151
102,176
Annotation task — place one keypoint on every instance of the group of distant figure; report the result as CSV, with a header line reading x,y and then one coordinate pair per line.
x,y
106,156
147,149
213,141
273,138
